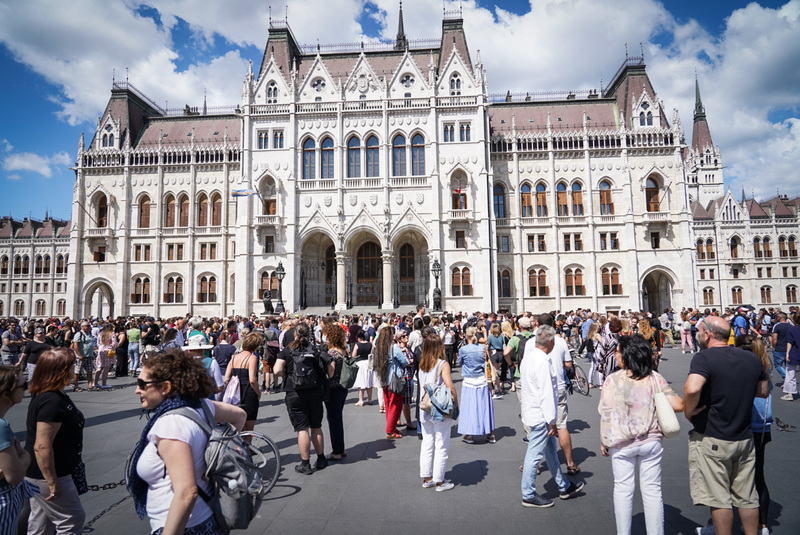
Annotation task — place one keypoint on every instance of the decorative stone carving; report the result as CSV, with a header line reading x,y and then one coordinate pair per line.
x,y
420,198
373,199
398,198
353,200
327,200
307,202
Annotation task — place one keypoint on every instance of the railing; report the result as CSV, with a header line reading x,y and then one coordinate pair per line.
x,y
316,107
266,220
141,232
408,181
408,103
656,216
653,138
369,46
456,101
460,215
208,230
543,96
358,105
632,61
503,222
130,87
535,221
98,232
572,220
608,219
362,182
269,109
175,231
315,184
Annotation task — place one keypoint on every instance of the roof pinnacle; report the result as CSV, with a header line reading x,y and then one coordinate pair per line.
x,y
401,43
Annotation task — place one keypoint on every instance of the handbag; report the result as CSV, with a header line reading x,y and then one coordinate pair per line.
x,y
232,393
347,377
425,403
665,415
79,478
397,384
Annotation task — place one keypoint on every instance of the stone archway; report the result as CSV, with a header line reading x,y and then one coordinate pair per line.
x,y
656,291
98,300
411,270
318,272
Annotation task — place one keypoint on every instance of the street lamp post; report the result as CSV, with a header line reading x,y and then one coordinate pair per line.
x,y
437,293
280,273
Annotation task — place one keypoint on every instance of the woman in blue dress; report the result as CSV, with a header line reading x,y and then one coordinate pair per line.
x,y
476,416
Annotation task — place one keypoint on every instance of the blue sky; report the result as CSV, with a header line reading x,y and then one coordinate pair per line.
x,y
57,60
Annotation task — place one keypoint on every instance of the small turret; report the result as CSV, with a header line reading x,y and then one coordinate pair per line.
x,y
401,42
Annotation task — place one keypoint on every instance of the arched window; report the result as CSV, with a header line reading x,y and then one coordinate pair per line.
x,y
111,140
309,160
757,248
174,293
18,265
642,119
373,157
183,212
606,201
461,282
417,155
269,283
541,201
61,307
736,296
577,199
610,281
499,201
710,254
216,210
141,290
169,212
792,247
708,296
767,250
459,196
144,212
19,307
406,262
208,290
791,294
272,92
766,294
651,195
102,212
561,198
26,265
4,265
574,282
38,265
649,118
537,283
784,252
46,265
735,243
455,84
354,157
40,307
399,156
202,210
105,140
327,158
527,202
701,250
569,281
504,283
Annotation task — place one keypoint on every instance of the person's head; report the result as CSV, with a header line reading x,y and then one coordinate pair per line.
x,y
635,354
593,328
470,335
546,319
615,325
361,336
524,323
197,345
626,327
223,337
545,338
86,327
301,337
12,386
335,335
781,317
432,351
420,309
54,370
418,324
645,328
252,342
495,331
38,334
748,342
712,331
506,329
172,373
170,335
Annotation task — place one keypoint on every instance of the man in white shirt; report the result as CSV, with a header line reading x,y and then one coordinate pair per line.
x,y
538,402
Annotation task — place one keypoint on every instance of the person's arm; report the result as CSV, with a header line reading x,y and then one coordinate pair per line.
x,y
448,381
178,461
228,370
252,369
280,365
763,389
774,338
691,395
14,461
45,457
225,412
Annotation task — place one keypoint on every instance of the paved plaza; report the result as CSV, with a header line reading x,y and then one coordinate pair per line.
x,y
377,488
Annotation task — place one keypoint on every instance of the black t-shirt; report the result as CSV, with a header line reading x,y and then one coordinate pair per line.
x,y
782,330
732,376
288,366
222,353
33,349
56,407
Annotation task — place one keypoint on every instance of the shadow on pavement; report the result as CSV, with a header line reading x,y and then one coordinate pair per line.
x,y
466,474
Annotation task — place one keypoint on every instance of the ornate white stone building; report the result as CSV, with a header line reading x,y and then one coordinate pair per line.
x,y
357,168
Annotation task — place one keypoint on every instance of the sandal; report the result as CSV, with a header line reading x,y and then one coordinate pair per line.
x,y
382,411
574,469
77,389
394,435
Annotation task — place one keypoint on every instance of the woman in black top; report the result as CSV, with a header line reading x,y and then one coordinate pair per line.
x,y
54,442
335,335
360,354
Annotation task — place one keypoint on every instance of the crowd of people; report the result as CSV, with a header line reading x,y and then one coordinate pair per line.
x,y
405,363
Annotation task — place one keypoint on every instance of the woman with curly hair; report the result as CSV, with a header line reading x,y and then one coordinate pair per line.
x,y
168,465
389,359
653,338
336,337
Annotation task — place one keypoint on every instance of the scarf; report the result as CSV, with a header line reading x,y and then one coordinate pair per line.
x,y
137,487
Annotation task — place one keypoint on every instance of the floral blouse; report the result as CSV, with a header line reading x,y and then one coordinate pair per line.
x,y
627,411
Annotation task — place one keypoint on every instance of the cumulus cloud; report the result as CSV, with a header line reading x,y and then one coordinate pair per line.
x,y
35,163
13,177
748,71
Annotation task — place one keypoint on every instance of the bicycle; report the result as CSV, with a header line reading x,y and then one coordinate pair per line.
x,y
577,380
267,460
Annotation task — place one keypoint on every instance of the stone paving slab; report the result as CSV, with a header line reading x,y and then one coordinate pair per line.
x,y
376,489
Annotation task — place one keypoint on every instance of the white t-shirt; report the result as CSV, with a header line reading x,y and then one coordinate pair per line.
x,y
152,470
538,399
558,356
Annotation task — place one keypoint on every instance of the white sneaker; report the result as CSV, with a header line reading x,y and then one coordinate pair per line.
x,y
787,397
428,484
446,485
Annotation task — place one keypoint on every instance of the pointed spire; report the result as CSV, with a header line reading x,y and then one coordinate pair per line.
x,y
744,198
205,104
701,134
401,43
81,144
699,110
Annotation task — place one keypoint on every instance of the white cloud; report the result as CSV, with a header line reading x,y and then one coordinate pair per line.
x,y
747,72
13,177
5,146
35,163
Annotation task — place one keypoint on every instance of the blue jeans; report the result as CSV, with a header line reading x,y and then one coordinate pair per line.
x,y
779,359
133,356
540,444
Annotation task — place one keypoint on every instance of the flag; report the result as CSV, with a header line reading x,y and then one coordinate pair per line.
x,y
457,191
243,192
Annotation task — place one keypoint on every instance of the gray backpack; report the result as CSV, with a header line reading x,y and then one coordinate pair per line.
x,y
232,469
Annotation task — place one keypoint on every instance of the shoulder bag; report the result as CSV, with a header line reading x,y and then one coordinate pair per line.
x,y
665,415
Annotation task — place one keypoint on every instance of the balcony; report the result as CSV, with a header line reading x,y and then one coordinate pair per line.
x,y
456,101
362,183
208,230
266,220
317,107
141,232
572,220
408,181
607,219
317,184
656,216
98,232
269,109
503,222
406,103
362,105
175,231
464,215
535,221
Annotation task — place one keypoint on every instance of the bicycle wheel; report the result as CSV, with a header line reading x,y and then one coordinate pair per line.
x,y
266,457
580,381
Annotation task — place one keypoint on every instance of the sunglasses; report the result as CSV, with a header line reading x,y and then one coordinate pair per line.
x,y
142,384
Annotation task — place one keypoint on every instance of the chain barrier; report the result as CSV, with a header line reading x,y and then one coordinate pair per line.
x,y
88,526
107,486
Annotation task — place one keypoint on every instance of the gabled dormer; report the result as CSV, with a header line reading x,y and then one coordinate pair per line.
x,y
646,111
408,81
363,83
319,85
456,78
272,87
108,134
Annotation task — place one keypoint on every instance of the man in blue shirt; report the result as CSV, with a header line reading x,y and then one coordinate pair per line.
x,y
586,324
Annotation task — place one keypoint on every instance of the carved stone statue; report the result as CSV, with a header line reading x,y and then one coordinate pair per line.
x,y
267,300
437,299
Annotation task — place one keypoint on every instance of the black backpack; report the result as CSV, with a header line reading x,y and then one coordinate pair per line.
x,y
305,369
59,338
521,347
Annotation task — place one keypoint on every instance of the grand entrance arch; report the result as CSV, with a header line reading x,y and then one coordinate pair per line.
x,y
411,270
98,300
318,272
656,291
369,275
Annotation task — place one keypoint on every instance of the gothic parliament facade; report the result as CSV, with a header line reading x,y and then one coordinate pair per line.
x,y
374,173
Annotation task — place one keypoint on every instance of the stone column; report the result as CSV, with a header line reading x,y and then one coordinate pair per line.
x,y
341,281
387,281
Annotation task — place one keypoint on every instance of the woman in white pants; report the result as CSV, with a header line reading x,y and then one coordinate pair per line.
x,y
434,369
630,433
